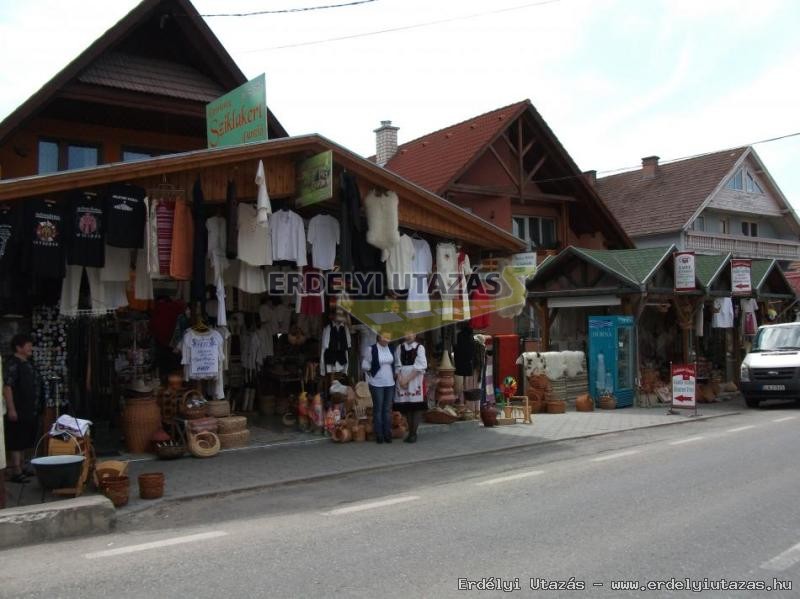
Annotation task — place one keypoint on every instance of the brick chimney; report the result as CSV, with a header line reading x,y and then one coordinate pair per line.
x,y
385,142
591,177
649,167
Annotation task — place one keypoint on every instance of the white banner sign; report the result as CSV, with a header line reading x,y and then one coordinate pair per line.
x,y
740,277
684,271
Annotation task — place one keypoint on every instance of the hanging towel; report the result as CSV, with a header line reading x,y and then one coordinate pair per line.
x,y
262,201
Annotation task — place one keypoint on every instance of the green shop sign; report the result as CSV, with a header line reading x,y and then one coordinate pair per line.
x,y
238,117
315,179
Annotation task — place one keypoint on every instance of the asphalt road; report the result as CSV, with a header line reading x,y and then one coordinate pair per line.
x,y
711,500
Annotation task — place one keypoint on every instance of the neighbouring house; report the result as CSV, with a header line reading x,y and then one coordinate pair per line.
x,y
140,90
717,203
508,167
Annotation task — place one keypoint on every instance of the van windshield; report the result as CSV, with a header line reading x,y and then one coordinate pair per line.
x,y
774,338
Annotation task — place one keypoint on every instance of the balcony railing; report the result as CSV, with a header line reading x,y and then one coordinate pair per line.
x,y
743,247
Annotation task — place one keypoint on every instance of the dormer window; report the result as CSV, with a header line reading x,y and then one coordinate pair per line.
x,y
743,180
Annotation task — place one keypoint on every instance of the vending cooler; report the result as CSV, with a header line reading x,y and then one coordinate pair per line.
x,y
611,358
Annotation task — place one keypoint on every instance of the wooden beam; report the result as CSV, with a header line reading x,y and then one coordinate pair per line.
x,y
527,148
504,165
488,190
508,142
133,100
535,170
520,165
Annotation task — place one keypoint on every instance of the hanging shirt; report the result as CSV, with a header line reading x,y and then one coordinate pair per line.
x,y
421,267
254,247
86,232
749,323
323,235
165,223
723,313
10,236
203,357
399,261
335,348
126,215
447,270
288,237
310,294
45,224
263,206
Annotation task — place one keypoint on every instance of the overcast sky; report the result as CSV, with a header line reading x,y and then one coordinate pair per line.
x,y
615,79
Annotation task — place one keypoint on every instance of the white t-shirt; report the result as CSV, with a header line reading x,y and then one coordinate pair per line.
x,y
203,358
288,237
399,263
723,313
255,247
323,235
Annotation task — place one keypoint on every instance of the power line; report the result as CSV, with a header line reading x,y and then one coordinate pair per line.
x,y
671,160
404,27
288,10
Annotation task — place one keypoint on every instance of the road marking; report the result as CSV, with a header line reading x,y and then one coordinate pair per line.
x,y
614,456
156,544
785,560
741,428
784,419
687,440
503,479
371,505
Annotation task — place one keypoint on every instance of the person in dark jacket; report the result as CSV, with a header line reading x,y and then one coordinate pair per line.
x,y
22,392
379,366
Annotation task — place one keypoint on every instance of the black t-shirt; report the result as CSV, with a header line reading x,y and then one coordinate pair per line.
x,y
10,236
125,216
86,244
45,227
24,381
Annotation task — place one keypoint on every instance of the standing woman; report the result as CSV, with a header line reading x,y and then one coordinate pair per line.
x,y
410,366
378,365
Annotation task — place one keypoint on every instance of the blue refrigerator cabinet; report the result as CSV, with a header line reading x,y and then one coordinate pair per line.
x,y
611,358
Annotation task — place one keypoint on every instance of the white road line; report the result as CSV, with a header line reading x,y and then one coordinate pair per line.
x,y
741,428
156,544
371,505
784,419
687,440
614,456
784,561
510,477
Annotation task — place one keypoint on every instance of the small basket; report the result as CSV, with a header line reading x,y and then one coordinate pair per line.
x,y
219,408
192,412
204,445
608,402
556,406
231,424
108,468
235,439
170,450
439,417
116,488
151,485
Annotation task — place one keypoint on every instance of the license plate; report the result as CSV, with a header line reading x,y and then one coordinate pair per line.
x,y
774,387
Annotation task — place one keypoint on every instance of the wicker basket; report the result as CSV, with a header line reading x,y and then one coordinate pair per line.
x,y
201,425
235,439
219,408
584,403
204,445
608,402
151,485
439,417
556,406
192,412
231,424
170,450
116,488
141,418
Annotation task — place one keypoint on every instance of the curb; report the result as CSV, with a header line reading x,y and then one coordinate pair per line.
x,y
333,475
90,515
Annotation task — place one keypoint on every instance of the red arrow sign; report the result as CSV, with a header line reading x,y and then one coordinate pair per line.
x,y
742,286
683,398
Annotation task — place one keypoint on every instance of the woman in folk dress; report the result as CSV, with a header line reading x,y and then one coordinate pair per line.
x,y
410,366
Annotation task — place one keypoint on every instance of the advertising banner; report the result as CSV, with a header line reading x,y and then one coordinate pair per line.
x,y
315,180
238,117
684,271
740,277
684,386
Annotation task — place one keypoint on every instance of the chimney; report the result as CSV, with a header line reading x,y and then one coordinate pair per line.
x,y
591,177
385,142
649,167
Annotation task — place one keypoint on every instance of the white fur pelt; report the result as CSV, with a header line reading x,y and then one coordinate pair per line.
x,y
555,364
576,363
533,363
382,219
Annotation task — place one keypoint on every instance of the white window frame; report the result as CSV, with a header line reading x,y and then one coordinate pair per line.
x,y
749,182
725,225
525,234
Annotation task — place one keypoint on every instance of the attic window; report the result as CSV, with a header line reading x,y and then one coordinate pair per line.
x,y
744,180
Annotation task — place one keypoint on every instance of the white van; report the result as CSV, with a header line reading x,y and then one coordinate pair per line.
x,y
772,368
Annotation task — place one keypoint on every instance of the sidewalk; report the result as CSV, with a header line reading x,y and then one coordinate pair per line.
x,y
277,458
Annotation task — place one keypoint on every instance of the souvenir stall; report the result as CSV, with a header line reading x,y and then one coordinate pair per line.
x,y
171,293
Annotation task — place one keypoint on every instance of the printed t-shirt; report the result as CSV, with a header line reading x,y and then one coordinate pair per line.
x,y
45,224
126,215
10,235
86,235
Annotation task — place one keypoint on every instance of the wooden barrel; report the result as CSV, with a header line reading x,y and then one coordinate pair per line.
x,y
141,420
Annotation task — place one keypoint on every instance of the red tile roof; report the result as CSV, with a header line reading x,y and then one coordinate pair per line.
x,y
432,161
666,202
151,76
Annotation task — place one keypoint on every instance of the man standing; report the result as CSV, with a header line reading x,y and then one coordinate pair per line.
x,y
21,390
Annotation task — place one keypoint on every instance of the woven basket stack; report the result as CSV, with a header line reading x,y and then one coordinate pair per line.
x,y
233,432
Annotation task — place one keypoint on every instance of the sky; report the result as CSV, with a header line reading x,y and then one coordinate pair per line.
x,y
616,80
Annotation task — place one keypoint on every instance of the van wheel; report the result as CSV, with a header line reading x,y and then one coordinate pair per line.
x,y
751,403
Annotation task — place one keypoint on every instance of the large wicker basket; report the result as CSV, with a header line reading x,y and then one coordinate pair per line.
x,y
204,445
231,424
232,440
219,408
189,411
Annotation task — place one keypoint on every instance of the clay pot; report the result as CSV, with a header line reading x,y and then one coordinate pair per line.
x,y
116,488
556,406
489,416
584,403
